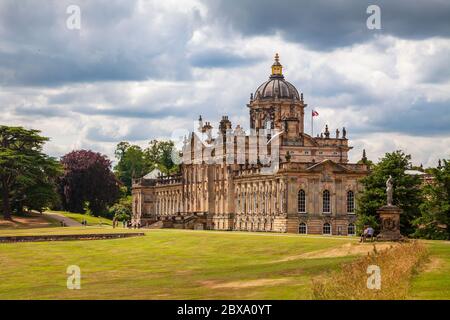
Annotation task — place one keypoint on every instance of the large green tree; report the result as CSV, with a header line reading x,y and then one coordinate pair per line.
x,y
134,162
434,221
407,192
159,154
26,174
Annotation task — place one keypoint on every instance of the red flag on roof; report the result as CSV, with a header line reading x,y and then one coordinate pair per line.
x,y
315,113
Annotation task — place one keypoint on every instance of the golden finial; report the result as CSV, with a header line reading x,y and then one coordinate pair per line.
x,y
277,68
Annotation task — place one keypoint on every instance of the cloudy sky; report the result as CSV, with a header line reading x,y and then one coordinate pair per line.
x,y
140,69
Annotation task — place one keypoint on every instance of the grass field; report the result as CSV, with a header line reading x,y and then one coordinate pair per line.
x,y
182,264
433,282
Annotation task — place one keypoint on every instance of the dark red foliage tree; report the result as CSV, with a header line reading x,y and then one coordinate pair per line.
x,y
88,181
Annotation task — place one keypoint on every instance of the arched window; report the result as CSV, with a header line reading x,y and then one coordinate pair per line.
x,y
326,228
301,197
326,201
303,228
351,229
350,202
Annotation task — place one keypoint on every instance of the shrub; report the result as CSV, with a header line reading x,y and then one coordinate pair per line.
x,y
397,265
121,210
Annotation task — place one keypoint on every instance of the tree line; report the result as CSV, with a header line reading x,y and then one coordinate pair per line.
x,y
425,203
84,181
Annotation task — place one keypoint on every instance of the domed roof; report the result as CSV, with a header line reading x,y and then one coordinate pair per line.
x,y
276,86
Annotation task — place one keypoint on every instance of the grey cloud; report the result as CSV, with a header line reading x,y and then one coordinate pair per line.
x,y
325,25
436,67
420,118
38,69
133,112
219,58
117,41
139,131
47,112
325,82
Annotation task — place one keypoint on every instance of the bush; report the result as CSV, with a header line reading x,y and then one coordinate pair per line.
x,y
122,210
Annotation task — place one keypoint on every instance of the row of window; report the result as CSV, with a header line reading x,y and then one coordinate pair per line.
x,y
321,152
326,229
326,201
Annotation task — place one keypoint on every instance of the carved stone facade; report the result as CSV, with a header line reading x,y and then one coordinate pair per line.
x,y
312,191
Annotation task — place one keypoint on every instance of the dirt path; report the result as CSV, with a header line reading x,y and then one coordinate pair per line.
x,y
342,251
61,218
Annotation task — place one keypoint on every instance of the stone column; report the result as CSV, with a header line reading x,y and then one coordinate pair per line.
x,y
292,220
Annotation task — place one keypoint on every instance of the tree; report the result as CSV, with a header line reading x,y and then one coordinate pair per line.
x,y
407,193
88,181
434,222
40,193
132,163
135,162
159,154
23,166
122,210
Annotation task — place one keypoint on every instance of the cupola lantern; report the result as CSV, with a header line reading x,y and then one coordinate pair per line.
x,y
277,68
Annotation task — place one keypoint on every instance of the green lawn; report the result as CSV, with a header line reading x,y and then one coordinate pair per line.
x,y
181,264
434,281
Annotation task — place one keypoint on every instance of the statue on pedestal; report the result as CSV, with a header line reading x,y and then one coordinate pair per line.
x,y
390,216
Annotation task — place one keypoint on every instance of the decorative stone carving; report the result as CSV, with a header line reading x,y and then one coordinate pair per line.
x,y
390,223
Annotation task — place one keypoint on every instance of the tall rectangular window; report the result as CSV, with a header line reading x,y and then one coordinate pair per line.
x,y
326,202
301,201
350,202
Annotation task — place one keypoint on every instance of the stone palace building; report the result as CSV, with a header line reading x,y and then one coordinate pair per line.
x,y
309,187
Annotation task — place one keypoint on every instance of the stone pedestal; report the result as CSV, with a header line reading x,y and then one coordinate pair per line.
x,y
390,223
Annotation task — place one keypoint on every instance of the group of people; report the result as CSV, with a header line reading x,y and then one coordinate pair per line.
x,y
125,223
367,233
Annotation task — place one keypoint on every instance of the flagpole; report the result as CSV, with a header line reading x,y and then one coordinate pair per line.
x,y
312,124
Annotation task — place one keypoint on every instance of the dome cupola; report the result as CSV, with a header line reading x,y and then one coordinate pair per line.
x,y
276,86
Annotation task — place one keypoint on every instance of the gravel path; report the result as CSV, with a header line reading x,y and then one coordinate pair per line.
x,y
61,218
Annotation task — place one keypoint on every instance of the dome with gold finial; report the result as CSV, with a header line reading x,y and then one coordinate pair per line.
x,y
276,86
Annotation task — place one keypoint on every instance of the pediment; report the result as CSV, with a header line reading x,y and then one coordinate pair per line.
x,y
327,165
